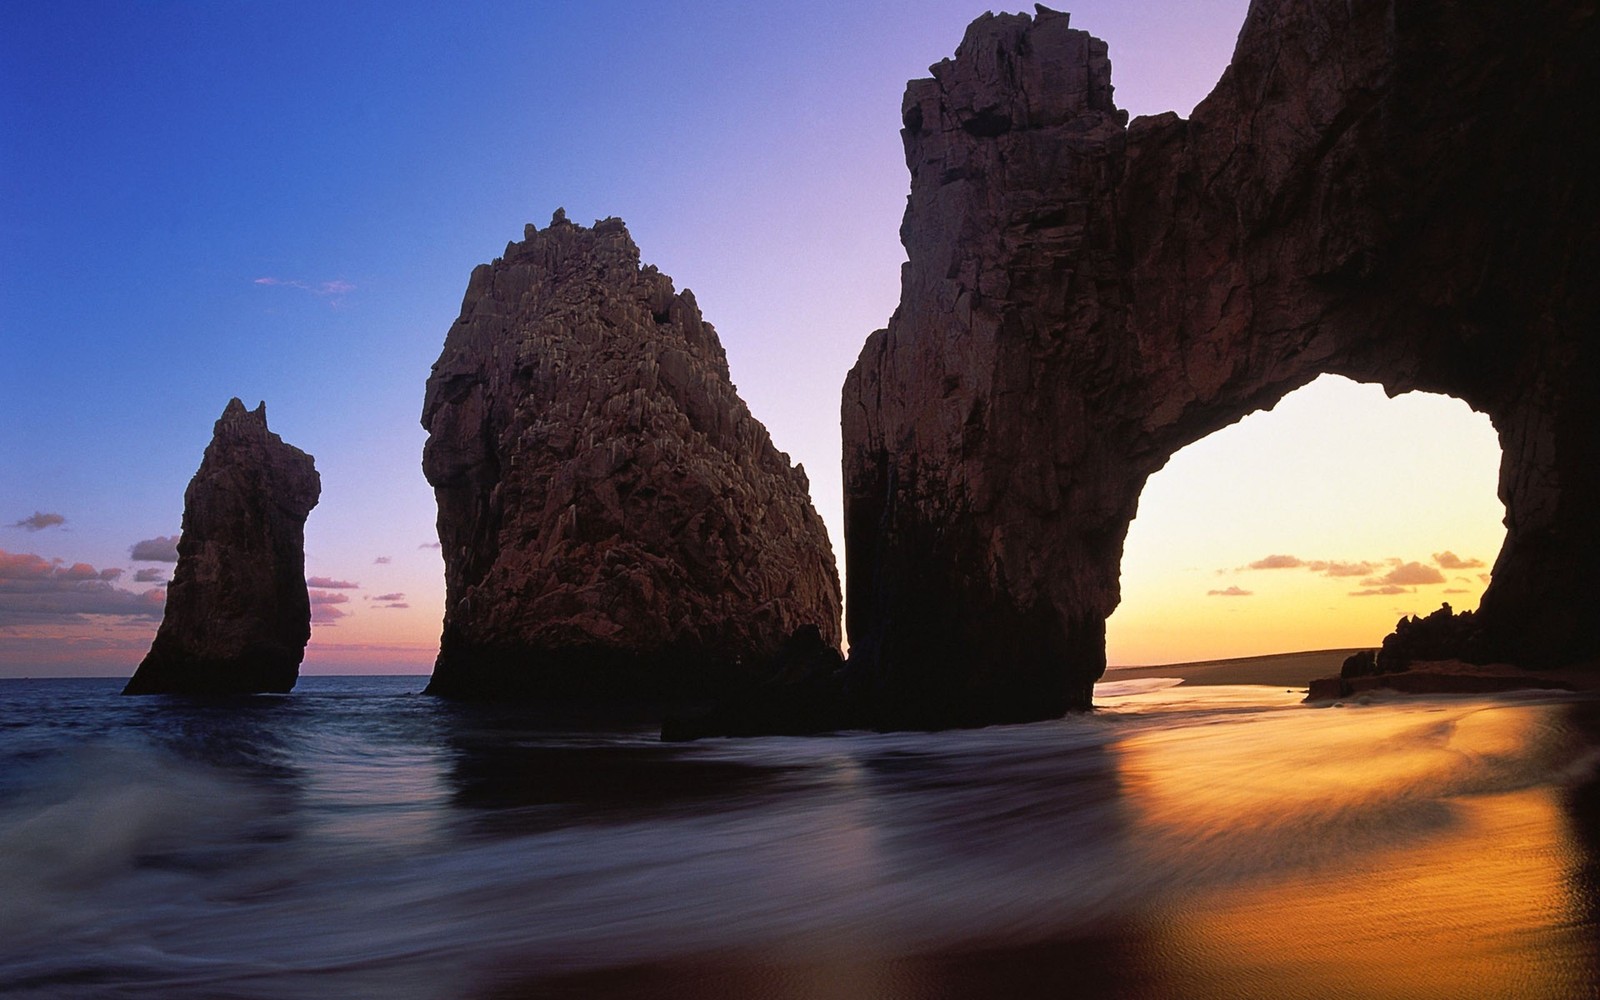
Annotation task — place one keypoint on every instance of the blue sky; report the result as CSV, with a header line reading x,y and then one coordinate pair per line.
x,y
283,202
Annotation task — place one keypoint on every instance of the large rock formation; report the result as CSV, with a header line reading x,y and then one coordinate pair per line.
x,y
614,522
237,617
1399,192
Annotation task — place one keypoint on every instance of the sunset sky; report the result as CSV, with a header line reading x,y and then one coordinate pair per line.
x,y
283,202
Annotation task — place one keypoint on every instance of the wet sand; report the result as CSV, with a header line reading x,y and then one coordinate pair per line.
x,y
1395,872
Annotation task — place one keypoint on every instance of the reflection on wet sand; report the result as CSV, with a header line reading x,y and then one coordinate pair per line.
x,y
1417,851
1481,910
1215,842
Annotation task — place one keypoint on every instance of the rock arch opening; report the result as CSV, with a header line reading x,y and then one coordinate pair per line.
x,y
1394,194
1291,529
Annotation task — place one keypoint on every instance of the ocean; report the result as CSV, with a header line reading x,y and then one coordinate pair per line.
x,y
358,839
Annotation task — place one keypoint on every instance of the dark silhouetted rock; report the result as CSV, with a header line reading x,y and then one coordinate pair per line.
x,y
615,524
1442,635
804,692
1361,664
1395,193
1328,689
237,616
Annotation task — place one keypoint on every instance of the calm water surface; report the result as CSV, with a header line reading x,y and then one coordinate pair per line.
x,y
357,839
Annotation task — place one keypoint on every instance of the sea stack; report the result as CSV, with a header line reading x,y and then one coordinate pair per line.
x,y
237,617
615,525
1394,193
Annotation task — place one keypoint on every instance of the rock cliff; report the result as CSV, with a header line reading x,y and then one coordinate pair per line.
x,y
614,522
1392,191
237,617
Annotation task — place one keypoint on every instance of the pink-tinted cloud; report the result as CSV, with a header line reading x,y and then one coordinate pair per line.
x,y
428,545
324,608
1449,560
162,548
1230,592
150,575
390,597
35,591
1411,574
25,566
329,583
1278,562
38,521
382,561
1327,567
1337,569
1388,590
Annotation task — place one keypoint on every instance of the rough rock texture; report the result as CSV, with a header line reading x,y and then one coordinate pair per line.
x,y
1397,192
237,617
614,522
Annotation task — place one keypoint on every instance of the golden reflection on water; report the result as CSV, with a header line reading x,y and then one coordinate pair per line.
x,y
1353,854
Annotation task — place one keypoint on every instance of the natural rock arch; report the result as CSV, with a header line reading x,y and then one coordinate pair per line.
x,y
1391,191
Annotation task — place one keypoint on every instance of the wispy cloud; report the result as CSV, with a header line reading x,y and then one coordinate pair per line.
x,y
329,583
397,596
150,575
1230,592
1336,569
1407,574
163,548
38,521
35,590
428,545
324,608
1377,574
1278,562
1388,590
382,561
1327,567
1449,560
334,291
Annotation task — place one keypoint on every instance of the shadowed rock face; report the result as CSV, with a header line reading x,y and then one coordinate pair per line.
x,y
237,616
1395,192
614,522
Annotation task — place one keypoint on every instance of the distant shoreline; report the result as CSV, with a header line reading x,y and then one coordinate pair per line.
x,y
1287,670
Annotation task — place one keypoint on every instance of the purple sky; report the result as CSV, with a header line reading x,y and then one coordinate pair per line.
x,y
283,202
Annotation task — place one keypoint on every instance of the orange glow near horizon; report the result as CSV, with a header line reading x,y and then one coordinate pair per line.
x,y
1314,526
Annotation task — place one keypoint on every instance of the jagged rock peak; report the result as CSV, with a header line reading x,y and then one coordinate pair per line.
x,y
237,616
613,520
1013,71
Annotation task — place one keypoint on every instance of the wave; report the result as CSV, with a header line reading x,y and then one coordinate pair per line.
x,y
436,859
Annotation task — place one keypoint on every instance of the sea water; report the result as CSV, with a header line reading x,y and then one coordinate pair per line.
x,y
358,839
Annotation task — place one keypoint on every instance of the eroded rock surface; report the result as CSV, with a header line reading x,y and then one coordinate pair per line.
x,y
614,522
237,617
1395,192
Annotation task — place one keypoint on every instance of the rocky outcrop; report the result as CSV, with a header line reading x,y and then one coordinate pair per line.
x,y
1395,192
238,616
614,522
1442,635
